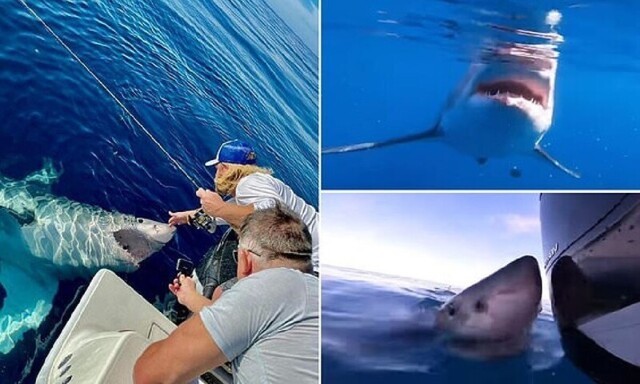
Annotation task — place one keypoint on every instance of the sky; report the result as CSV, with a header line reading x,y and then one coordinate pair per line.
x,y
448,238
302,17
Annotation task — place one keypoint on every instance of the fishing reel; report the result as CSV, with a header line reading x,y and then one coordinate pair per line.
x,y
203,221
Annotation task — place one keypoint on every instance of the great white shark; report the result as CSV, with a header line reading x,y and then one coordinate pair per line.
x,y
503,106
45,238
493,317
497,317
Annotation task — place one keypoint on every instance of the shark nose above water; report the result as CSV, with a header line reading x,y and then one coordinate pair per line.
x,y
159,232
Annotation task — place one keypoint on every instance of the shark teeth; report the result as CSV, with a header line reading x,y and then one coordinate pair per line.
x,y
514,88
502,95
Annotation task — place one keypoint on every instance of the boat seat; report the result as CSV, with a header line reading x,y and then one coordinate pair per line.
x,y
109,329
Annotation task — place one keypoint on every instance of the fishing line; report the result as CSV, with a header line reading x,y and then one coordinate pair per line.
x,y
113,96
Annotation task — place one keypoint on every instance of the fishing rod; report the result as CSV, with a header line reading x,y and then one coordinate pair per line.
x,y
109,92
201,219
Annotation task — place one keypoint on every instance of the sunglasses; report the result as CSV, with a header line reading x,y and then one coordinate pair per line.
x,y
235,254
293,255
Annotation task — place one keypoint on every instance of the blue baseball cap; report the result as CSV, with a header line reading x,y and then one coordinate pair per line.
x,y
233,152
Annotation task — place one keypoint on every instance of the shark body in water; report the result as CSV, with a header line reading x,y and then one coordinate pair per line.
x,y
490,319
503,106
46,238
495,318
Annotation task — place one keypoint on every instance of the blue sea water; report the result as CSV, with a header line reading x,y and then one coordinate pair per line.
x,y
195,73
389,66
378,329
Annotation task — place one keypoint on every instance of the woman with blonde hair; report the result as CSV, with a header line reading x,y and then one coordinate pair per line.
x,y
252,188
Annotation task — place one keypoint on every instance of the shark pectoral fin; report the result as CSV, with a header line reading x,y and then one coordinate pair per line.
x,y
349,148
433,133
24,218
9,225
555,162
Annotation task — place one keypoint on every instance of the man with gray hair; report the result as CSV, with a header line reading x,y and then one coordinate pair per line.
x,y
266,325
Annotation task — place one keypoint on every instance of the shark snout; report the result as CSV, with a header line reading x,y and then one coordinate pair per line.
x,y
525,272
504,303
157,231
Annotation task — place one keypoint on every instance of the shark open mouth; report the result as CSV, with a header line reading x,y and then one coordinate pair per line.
x,y
509,89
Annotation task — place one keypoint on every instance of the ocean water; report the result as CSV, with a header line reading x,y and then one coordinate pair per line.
x,y
195,73
378,329
388,68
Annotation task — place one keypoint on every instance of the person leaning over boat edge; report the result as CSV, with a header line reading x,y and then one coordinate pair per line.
x,y
267,325
252,187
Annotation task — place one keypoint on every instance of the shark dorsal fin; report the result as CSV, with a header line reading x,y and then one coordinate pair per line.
x,y
9,223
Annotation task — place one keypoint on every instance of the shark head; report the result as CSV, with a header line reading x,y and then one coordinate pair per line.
x,y
517,77
505,103
498,307
143,237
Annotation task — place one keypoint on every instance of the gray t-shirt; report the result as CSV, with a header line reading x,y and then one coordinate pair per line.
x,y
267,324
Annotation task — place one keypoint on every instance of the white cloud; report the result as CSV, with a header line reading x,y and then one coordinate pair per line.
x,y
519,224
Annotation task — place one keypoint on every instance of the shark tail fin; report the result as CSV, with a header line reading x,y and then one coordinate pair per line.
x,y
555,162
430,134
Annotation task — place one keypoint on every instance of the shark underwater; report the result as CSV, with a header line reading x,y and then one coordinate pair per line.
x,y
45,238
502,107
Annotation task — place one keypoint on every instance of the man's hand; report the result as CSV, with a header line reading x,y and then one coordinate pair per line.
x,y
214,206
185,290
211,202
179,218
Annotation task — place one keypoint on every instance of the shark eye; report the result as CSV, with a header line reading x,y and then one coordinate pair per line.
x,y
481,306
140,221
451,311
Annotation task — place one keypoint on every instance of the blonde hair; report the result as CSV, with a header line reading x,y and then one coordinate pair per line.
x,y
227,183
